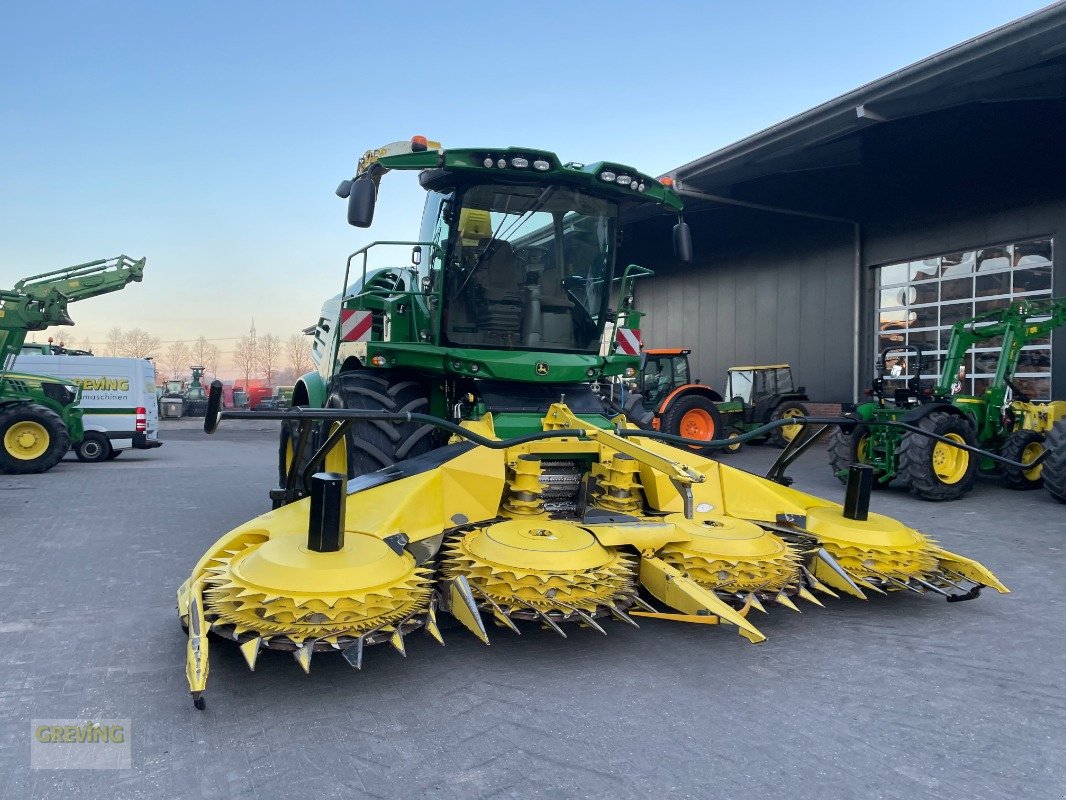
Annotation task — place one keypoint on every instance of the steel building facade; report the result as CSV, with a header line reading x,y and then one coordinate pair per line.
x,y
879,217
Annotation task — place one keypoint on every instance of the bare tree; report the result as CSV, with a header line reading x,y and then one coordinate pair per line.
x,y
245,358
298,352
268,356
113,345
198,350
177,359
210,359
137,343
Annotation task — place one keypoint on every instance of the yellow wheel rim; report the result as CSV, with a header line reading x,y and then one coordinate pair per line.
x,y
288,455
950,463
27,440
732,448
860,449
336,460
1032,451
788,432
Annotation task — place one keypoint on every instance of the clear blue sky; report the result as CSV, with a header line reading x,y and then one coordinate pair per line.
x,y
209,136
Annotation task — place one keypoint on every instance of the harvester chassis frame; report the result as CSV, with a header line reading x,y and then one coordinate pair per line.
x,y
298,481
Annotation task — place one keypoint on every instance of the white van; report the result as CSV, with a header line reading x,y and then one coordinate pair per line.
x,y
118,400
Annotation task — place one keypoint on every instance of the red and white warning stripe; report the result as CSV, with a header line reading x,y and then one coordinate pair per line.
x,y
355,325
628,341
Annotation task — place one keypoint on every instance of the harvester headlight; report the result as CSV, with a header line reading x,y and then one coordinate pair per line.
x,y
641,187
501,163
632,184
519,162
541,164
630,372
379,361
488,162
607,176
623,180
474,368
591,372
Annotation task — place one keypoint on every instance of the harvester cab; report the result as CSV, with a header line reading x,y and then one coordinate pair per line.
x,y
39,417
469,467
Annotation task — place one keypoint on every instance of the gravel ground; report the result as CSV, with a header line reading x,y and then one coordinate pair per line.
x,y
900,697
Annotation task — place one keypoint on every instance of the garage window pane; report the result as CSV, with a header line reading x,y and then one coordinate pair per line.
x,y
993,258
1033,254
1035,360
950,313
991,285
1032,280
924,270
956,264
1037,388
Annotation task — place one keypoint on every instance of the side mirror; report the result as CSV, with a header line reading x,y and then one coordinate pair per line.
x,y
344,189
683,243
361,198
416,255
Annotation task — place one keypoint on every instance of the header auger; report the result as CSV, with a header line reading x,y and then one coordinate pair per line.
x,y
451,456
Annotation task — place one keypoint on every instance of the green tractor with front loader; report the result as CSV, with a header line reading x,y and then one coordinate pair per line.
x,y
39,416
452,454
1002,420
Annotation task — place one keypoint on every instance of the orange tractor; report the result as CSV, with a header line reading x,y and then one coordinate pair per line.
x,y
671,401
667,399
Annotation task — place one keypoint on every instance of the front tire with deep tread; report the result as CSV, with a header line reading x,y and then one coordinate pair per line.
x,y
846,449
35,416
781,437
377,444
917,458
1054,471
1015,448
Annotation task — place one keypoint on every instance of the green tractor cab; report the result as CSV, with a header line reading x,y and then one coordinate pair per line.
x,y
761,394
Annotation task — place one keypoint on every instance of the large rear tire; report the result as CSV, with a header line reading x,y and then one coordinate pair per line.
x,y
33,439
934,470
378,444
783,436
846,449
286,447
1023,446
1054,471
694,417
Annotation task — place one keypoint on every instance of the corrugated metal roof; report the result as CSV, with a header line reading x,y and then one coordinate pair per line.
x,y
958,74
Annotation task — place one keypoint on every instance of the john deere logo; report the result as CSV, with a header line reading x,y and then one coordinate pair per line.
x,y
542,367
